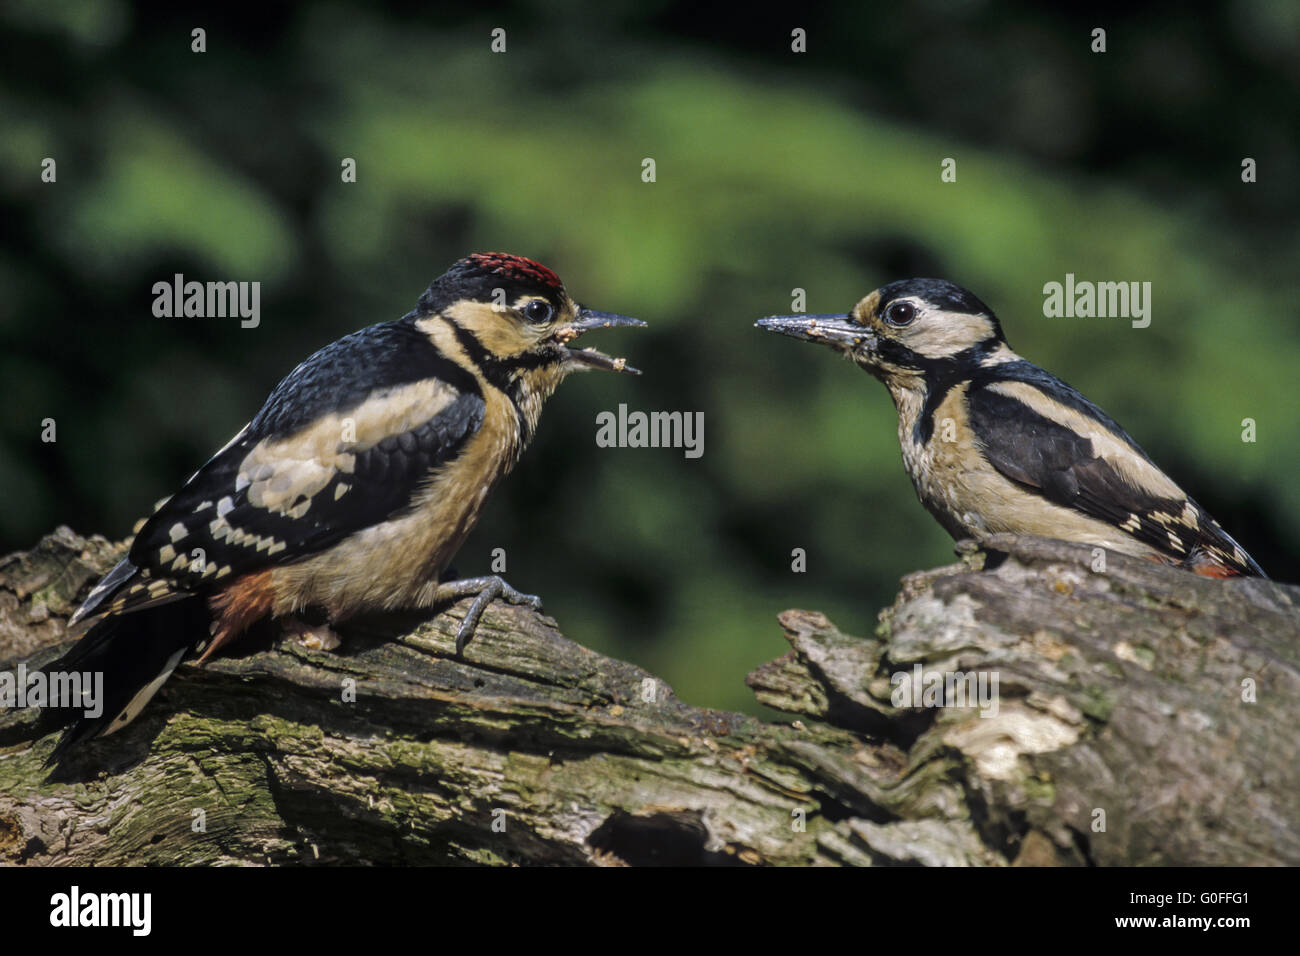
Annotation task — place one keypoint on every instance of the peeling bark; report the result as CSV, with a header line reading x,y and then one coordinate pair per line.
x,y
1120,700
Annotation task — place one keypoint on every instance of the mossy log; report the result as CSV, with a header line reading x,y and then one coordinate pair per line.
x,y
1143,716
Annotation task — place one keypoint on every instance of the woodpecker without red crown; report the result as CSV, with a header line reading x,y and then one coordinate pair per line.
x,y
350,490
993,443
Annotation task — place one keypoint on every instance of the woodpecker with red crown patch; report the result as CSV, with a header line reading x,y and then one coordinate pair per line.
x,y
993,443
350,491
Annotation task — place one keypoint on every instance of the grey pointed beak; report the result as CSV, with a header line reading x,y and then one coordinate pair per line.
x,y
589,319
835,329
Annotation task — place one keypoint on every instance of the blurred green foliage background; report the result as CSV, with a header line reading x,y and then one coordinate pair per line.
x,y
775,171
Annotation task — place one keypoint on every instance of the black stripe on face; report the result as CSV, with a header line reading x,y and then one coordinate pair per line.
x,y
506,374
941,377
501,372
899,355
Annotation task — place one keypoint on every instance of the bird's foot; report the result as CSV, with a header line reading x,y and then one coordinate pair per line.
x,y
484,590
314,637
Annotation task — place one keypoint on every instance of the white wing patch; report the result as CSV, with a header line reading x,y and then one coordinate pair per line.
x,y
1135,469
284,475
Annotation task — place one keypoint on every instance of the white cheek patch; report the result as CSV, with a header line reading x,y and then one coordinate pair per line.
x,y
501,333
944,334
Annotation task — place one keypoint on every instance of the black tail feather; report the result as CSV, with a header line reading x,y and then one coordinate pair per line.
x,y
131,652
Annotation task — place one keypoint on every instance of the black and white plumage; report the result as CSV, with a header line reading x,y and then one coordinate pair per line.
x,y
350,490
993,443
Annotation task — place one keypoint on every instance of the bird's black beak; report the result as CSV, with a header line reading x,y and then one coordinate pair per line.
x,y
834,329
587,320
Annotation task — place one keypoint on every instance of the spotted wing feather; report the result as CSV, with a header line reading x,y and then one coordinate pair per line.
x,y
294,482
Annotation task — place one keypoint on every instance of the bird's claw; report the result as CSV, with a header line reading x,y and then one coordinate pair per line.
x,y
485,591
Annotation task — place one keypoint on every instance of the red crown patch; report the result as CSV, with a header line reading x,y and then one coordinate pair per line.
x,y
516,267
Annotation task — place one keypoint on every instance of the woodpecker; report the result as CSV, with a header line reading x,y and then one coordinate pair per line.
x,y
993,443
349,491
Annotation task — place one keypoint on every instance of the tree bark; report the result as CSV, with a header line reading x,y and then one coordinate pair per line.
x,y
1142,715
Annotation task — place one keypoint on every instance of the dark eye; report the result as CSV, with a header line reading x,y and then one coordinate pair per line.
x,y
900,313
538,311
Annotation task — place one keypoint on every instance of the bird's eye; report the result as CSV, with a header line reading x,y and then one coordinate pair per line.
x,y
900,313
539,311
